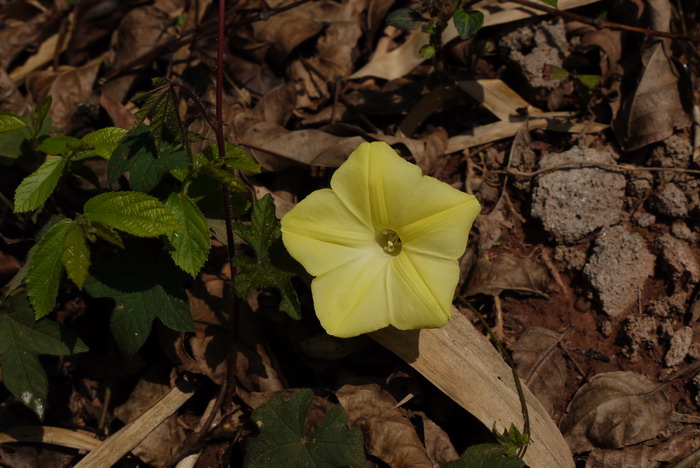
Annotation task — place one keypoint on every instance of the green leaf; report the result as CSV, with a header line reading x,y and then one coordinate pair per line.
x,y
76,255
132,212
234,157
284,443
103,141
137,141
145,286
404,18
10,121
38,120
190,243
468,22
274,266
487,456
427,51
106,233
21,341
589,81
512,439
57,145
46,268
551,3
224,176
556,72
160,106
36,188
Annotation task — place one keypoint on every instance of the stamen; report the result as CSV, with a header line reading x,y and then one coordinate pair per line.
x,y
389,241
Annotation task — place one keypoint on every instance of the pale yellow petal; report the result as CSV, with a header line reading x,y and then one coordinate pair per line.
x,y
437,219
421,289
321,234
375,184
351,300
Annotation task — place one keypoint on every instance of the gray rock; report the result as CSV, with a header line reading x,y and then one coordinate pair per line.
x,y
646,219
670,201
573,203
680,345
678,260
618,267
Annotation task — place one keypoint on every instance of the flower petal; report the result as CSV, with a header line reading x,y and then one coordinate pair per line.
x,y
375,183
321,234
421,289
351,300
436,219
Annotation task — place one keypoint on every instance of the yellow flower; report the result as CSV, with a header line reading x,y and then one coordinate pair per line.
x,y
382,242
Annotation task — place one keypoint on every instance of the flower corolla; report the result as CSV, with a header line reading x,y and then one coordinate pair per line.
x,y
382,242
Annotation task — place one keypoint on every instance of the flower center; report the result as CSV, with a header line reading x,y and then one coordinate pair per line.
x,y
389,241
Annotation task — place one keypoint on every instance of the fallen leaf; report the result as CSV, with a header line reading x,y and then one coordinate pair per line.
x,y
11,100
389,436
541,364
506,272
615,409
437,443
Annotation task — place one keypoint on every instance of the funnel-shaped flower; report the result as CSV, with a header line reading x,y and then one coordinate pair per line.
x,y
383,244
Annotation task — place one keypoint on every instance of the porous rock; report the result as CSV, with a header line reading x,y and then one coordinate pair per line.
x,y
618,267
680,344
678,259
670,201
573,203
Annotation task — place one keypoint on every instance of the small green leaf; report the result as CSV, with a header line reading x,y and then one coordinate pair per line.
x,y
235,157
57,145
404,18
132,212
46,268
224,176
589,81
76,255
10,121
468,22
21,341
190,243
38,120
106,233
103,141
36,188
427,51
487,456
144,286
551,3
160,106
556,72
283,442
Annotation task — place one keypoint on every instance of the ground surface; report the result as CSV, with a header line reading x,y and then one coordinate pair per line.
x,y
585,258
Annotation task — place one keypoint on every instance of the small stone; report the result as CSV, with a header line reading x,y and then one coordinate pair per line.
x,y
640,184
646,219
678,259
641,331
573,259
670,201
606,328
573,203
668,306
618,268
681,231
694,351
680,344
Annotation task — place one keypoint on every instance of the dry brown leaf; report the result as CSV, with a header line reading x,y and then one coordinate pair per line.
x,y
671,450
389,436
608,41
506,272
68,87
163,443
438,443
614,410
541,364
11,99
120,115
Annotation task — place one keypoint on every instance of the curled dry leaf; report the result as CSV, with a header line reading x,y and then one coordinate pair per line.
x,y
506,272
614,410
389,436
68,86
437,443
541,364
11,100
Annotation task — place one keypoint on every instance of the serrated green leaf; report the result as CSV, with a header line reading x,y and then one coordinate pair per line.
x,y
106,233
160,106
234,156
146,170
10,121
46,268
283,442
76,255
36,188
404,18
468,22
103,141
57,145
144,286
274,266
190,243
223,176
21,340
487,456
132,212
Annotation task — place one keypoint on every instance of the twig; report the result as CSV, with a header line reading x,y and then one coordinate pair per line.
x,y
584,165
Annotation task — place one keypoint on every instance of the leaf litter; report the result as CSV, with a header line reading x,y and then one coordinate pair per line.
x,y
304,87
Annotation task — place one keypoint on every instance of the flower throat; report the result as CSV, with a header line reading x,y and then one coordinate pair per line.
x,y
389,241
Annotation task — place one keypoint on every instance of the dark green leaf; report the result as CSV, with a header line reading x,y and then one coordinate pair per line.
x,y
103,141
190,243
468,22
107,233
224,176
46,268
235,158
10,121
144,286
57,145
283,443
133,212
487,456
38,119
21,341
36,188
76,255
273,266
551,3
160,106
404,18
